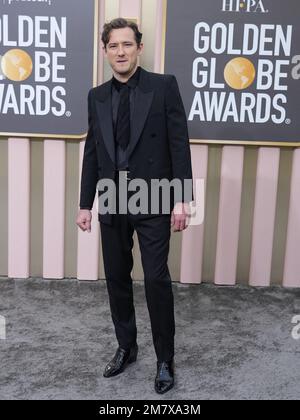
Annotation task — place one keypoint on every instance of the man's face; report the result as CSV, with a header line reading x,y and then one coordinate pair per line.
x,y
122,51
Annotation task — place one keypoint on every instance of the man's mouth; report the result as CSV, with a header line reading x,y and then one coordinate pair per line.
x,y
122,61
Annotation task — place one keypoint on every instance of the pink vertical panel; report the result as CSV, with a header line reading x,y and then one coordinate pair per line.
x,y
130,9
18,207
88,243
229,215
192,237
54,209
264,216
158,36
291,276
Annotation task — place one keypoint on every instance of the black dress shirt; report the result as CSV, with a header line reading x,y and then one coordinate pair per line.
x,y
122,155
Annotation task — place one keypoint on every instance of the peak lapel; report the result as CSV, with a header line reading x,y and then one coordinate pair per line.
x,y
104,114
143,101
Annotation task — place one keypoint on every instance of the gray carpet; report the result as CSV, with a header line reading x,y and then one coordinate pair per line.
x,y
231,343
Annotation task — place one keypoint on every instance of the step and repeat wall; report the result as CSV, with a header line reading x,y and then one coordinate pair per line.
x,y
238,64
238,68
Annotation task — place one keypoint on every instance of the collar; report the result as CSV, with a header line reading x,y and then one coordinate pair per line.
x,y
132,82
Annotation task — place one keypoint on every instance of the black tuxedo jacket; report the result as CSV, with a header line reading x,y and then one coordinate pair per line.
x,y
159,145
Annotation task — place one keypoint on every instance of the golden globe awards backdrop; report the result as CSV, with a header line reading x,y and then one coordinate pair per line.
x,y
47,66
238,66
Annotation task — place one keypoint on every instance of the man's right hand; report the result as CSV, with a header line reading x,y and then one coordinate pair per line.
x,y
84,219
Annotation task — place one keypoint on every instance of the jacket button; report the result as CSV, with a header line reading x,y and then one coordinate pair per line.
x,y
150,160
153,135
97,142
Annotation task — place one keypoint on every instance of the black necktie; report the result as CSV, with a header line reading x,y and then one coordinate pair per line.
x,y
123,120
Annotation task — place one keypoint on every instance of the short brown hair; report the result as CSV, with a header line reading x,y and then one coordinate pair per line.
x,y
120,23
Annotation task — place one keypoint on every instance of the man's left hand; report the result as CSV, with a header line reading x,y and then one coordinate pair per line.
x,y
180,216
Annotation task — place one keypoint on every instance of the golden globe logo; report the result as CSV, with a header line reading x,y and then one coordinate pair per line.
x,y
35,53
262,60
248,6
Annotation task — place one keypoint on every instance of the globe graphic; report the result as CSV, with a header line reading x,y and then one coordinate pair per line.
x,y
1,73
239,73
16,65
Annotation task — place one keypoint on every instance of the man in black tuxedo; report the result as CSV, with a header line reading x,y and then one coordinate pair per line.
x,y
137,130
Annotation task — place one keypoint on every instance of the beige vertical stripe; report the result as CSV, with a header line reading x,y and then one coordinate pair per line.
x,y
193,237
4,207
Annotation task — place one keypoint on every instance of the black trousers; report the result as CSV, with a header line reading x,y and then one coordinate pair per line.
x,y
117,242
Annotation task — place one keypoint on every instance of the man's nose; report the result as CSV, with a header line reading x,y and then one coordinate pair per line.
x,y
120,50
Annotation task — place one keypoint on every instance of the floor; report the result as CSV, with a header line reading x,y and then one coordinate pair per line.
x,y
231,343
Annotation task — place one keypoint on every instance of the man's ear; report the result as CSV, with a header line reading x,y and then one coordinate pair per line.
x,y
141,48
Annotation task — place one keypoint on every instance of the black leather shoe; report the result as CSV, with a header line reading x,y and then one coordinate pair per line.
x,y
164,380
121,359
